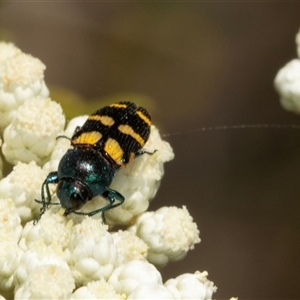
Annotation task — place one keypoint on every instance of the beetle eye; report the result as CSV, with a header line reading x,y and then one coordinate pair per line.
x,y
72,195
76,200
79,196
75,196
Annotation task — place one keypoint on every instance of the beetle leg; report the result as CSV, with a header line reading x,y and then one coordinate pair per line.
x,y
111,196
46,201
141,152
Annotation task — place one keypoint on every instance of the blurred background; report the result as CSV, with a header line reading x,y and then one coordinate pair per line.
x,y
192,65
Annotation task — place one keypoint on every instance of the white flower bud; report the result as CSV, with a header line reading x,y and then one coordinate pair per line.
x,y
51,228
287,84
32,134
298,43
8,50
129,247
10,221
136,272
48,281
9,262
23,185
21,78
151,291
169,232
39,254
97,290
191,286
10,232
93,254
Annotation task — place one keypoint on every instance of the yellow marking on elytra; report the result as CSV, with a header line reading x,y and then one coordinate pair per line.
x,y
105,120
114,150
118,105
144,117
126,129
88,138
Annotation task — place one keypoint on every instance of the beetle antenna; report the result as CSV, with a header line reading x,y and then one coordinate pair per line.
x,y
63,137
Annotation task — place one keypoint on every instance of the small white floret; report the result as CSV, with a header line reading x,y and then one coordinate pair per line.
x,y
39,254
136,272
129,247
8,50
93,254
10,221
32,134
9,262
169,232
23,185
47,282
97,290
21,78
298,43
151,291
191,286
287,84
51,228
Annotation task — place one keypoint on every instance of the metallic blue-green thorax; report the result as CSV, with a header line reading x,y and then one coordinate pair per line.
x,y
87,166
83,173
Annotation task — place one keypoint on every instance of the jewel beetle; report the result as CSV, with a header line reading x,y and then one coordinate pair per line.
x,y
110,139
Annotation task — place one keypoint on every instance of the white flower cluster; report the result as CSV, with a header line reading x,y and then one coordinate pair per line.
x,y
21,79
75,256
287,82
